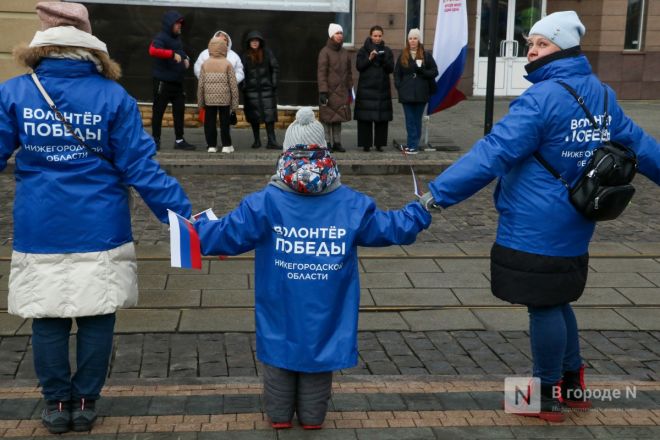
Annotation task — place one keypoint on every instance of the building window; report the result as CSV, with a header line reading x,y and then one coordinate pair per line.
x,y
413,15
346,20
634,25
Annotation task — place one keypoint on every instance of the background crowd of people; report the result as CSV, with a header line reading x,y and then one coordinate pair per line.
x,y
256,73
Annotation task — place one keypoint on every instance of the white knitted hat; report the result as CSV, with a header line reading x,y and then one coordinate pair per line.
x,y
562,28
305,130
415,33
333,29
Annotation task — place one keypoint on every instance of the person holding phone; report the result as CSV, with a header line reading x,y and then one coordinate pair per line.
x,y
373,102
412,73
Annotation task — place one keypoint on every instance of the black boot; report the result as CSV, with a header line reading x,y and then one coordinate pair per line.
x,y
183,145
56,416
272,140
255,133
551,407
83,415
338,148
573,390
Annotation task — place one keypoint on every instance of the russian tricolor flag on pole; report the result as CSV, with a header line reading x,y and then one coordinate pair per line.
x,y
185,251
449,53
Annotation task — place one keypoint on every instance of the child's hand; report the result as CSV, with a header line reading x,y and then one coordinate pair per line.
x,y
428,202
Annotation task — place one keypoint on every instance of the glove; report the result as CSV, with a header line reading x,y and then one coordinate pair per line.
x,y
323,98
428,202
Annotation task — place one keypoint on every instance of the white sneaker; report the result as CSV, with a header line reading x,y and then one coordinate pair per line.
x,y
228,149
212,150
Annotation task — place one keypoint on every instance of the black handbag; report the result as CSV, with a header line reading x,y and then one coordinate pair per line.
x,y
604,190
233,120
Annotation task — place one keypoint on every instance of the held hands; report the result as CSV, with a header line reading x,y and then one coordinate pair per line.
x,y
323,98
186,63
428,202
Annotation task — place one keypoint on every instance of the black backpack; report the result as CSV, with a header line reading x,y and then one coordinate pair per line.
x,y
604,190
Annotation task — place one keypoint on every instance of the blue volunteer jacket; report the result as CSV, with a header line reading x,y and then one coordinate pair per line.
x,y
307,290
67,199
536,215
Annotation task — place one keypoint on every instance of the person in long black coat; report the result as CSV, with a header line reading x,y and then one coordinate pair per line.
x,y
373,103
260,88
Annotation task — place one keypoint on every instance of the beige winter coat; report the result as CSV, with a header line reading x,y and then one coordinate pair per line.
x,y
217,81
335,78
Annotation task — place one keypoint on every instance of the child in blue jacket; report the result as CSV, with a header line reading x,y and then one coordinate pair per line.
x,y
305,228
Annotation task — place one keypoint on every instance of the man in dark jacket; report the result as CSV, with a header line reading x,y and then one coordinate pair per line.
x,y
170,63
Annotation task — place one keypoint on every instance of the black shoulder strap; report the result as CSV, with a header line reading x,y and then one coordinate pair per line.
x,y
550,168
605,114
580,100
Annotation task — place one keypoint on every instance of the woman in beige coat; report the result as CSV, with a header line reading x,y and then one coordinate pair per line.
x,y
335,84
217,92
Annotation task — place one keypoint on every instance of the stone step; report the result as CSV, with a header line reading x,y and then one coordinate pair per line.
x,y
264,163
377,408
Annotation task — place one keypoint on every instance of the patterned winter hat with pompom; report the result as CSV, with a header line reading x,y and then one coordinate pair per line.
x,y
307,169
305,130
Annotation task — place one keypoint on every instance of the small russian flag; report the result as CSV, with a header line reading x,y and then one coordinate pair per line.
x,y
207,214
185,248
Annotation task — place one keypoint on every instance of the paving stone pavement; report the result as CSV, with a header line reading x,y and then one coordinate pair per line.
x,y
472,222
434,344
631,354
384,408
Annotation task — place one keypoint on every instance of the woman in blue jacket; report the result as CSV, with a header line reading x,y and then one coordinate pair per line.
x,y
305,228
540,255
73,253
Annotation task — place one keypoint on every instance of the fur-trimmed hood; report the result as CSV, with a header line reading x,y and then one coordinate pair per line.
x,y
30,57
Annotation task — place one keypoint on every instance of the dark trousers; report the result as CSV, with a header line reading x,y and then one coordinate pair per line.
x,y
270,132
164,93
372,133
332,133
413,114
287,391
553,334
210,129
50,347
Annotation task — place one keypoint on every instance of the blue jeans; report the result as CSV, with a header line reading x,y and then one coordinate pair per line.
x,y
50,346
413,114
555,344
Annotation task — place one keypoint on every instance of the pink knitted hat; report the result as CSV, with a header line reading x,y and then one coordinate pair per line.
x,y
53,14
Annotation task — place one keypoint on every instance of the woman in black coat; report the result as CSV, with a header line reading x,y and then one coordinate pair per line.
x,y
373,103
414,78
260,88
